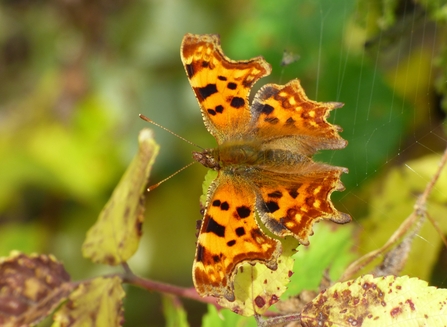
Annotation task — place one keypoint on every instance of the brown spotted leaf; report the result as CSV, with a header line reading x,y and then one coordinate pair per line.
x,y
115,236
257,287
97,302
30,288
382,301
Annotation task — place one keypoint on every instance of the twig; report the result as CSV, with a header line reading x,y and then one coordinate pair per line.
x,y
419,211
151,285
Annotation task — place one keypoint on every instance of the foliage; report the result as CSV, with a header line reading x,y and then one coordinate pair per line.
x,y
76,74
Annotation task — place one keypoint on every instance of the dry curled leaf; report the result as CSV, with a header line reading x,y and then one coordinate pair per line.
x,y
30,288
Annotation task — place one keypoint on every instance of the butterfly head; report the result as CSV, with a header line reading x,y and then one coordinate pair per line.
x,y
208,158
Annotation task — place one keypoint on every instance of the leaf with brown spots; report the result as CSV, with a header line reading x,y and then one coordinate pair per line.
x,y
30,288
97,302
374,302
256,287
264,164
115,236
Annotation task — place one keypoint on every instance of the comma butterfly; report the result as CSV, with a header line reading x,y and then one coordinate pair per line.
x,y
264,164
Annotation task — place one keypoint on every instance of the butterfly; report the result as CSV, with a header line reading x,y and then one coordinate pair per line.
x,y
263,161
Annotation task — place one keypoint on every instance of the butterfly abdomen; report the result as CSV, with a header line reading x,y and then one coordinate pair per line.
x,y
254,155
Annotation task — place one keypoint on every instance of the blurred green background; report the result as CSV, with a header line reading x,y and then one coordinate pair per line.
x,y
75,74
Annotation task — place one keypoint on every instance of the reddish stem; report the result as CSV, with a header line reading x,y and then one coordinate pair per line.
x,y
151,285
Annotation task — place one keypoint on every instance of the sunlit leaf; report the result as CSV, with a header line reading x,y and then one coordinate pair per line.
x,y
114,238
94,303
257,287
383,301
394,200
30,288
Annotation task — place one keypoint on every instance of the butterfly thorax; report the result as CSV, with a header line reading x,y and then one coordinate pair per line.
x,y
248,154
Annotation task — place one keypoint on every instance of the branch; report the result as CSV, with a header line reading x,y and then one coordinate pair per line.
x,y
418,211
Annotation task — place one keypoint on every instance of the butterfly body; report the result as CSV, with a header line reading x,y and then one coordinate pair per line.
x,y
264,163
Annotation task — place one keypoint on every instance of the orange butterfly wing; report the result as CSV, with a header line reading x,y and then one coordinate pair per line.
x,y
221,85
230,235
263,160
296,196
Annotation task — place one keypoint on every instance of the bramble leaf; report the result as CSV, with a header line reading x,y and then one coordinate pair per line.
x,y
94,303
114,238
257,287
30,288
383,301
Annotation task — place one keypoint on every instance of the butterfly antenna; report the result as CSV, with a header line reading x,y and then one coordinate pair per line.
x,y
152,187
169,131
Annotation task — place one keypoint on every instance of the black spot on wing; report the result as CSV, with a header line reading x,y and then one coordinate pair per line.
x,y
243,211
190,70
200,253
222,78
216,258
272,206
237,102
211,112
293,193
224,206
219,109
205,64
271,120
276,194
232,86
265,109
231,243
240,231
206,91
289,121
214,227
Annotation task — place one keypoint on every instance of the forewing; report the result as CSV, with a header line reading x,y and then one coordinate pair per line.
x,y
281,111
230,235
290,204
221,85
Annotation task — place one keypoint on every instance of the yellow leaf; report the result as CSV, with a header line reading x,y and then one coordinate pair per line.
x,y
257,287
94,303
394,203
383,301
114,238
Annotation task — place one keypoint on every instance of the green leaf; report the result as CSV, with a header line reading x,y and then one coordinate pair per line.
x,y
114,238
224,318
209,178
330,249
173,311
94,303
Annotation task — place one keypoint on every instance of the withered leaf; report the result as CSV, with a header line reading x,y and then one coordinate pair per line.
x,y
30,288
